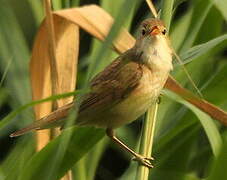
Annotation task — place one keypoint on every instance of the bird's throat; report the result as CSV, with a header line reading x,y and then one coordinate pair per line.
x,y
156,54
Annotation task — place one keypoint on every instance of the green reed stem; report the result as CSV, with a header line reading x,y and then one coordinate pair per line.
x,y
147,141
166,13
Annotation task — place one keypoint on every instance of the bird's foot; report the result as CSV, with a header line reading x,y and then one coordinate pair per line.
x,y
146,161
159,99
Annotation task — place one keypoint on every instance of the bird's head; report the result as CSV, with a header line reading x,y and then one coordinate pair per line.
x,y
150,28
153,42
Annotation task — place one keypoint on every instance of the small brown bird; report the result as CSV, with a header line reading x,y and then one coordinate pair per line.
x,y
125,89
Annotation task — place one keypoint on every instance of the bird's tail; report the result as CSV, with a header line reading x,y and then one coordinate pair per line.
x,y
54,119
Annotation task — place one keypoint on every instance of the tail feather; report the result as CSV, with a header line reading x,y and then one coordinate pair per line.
x,y
35,126
54,119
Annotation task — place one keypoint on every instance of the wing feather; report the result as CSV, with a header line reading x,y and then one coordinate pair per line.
x,y
109,87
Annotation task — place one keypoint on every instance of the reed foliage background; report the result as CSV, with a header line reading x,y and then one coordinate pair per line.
x,y
188,144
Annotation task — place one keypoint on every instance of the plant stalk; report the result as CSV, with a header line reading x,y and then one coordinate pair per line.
x,y
166,13
53,68
147,141
52,50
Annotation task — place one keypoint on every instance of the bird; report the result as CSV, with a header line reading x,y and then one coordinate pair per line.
x,y
124,90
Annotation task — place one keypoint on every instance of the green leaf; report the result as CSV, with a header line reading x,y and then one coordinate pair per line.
x,y
222,7
75,3
17,77
57,4
173,154
37,10
211,28
178,30
18,157
5,121
218,170
50,164
3,96
208,124
167,12
196,22
215,91
191,177
14,55
201,49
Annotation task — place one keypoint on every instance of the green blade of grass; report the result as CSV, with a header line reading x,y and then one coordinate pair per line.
x,y
174,135
218,170
75,3
173,160
166,13
18,157
208,124
215,91
172,150
15,36
201,49
196,22
14,48
178,33
79,170
11,43
5,121
3,96
57,4
222,6
37,10
78,145
92,161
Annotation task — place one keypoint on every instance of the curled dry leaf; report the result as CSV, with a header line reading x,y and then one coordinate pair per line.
x,y
202,104
97,22
67,48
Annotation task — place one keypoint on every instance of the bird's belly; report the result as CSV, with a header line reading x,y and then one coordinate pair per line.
x,y
137,103
130,109
132,106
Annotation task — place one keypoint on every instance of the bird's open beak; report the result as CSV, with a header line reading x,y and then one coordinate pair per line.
x,y
155,31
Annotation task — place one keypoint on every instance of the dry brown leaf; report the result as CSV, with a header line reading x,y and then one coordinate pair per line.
x,y
97,22
202,104
67,47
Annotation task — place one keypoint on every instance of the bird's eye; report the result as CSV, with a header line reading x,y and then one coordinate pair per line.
x,y
143,32
164,32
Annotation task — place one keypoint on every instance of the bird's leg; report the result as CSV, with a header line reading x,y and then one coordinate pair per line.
x,y
137,157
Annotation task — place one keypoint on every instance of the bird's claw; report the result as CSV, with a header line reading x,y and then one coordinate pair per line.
x,y
144,160
159,99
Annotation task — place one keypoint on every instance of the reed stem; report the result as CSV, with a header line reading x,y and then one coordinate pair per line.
x,y
147,141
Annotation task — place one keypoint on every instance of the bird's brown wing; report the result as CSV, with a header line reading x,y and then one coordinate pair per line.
x,y
110,86
107,88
